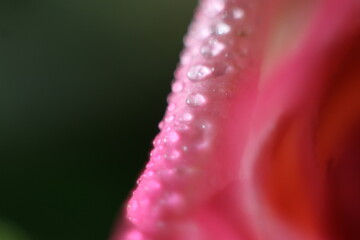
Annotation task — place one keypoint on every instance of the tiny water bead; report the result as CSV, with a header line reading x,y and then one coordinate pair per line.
x,y
204,33
235,14
152,185
212,48
222,28
177,87
182,127
174,154
195,100
211,10
148,174
174,200
157,141
169,119
171,107
135,235
198,72
173,137
186,117
161,125
238,13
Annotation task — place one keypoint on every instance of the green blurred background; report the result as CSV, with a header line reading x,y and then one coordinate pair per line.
x,y
83,84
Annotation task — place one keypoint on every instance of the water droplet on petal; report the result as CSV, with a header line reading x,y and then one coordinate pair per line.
x,y
177,87
212,48
182,127
171,107
134,235
174,154
198,72
173,137
169,119
222,28
175,200
148,174
238,13
161,125
215,8
195,100
186,117
219,68
133,205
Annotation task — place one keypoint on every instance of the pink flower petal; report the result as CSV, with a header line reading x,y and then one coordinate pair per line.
x,y
244,146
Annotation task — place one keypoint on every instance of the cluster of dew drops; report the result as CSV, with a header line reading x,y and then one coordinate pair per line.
x,y
216,54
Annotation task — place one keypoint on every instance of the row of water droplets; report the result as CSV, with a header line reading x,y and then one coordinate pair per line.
x,y
215,49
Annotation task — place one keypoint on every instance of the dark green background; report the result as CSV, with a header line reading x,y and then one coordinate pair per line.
x,y
83,84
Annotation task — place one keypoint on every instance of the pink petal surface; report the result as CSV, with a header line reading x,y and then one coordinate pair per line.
x,y
238,154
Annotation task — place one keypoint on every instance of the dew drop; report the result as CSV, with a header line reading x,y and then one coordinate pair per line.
x,y
173,137
153,185
157,141
219,68
161,125
185,58
169,119
222,28
177,87
212,48
186,117
171,107
198,72
204,33
174,154
133,205
175,200
215,8
134,235
195,100
167,129
238,13
149,174
182,127
144,202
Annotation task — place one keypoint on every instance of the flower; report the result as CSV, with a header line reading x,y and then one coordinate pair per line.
x,y
260,138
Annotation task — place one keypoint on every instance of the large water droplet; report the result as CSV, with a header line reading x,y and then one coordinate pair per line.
x,y
195,100
198,72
